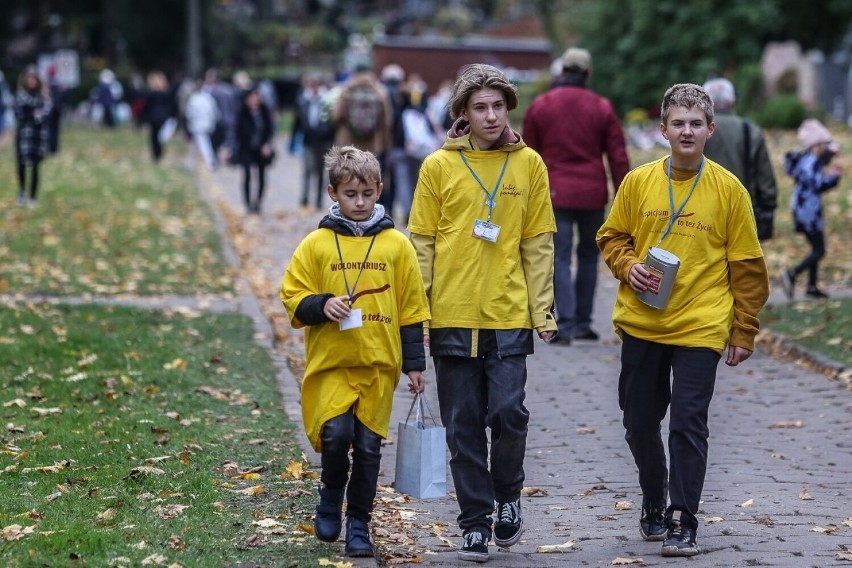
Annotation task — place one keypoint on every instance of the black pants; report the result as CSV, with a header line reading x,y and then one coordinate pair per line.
x,y
156,145
645,392
259,163
339,435
475,393
811,262
22,176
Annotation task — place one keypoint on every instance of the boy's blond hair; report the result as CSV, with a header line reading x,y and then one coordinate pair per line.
x,y
480,76
686,95
348,162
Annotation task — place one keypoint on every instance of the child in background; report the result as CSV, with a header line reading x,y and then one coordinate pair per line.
x,y
806,167
355,285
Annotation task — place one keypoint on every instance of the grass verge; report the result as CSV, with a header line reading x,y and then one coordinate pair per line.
x,y
820,326
137,437
109,221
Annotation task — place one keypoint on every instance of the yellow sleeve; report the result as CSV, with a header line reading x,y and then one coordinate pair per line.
x,y
750,288
537,258
297,285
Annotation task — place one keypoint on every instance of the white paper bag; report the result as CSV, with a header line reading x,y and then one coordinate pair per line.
x,y
421,454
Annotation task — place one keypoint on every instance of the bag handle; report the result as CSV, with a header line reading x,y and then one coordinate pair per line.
x,y
421,415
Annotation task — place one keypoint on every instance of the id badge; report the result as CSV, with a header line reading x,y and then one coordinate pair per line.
x,y
354,320
486,231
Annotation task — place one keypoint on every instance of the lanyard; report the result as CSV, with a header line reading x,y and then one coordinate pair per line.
x,y
351,291
490,202
676,214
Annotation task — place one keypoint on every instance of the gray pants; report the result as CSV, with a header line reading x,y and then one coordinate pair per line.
x,y
475,393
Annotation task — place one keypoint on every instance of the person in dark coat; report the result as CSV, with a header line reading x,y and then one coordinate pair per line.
x,y
255,131
160,106
32,109
578,134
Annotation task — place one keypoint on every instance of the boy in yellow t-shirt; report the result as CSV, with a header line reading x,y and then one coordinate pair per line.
x,y
355,285
483,225
700,213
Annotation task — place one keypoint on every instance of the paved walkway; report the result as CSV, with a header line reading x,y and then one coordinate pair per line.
x,y
778,489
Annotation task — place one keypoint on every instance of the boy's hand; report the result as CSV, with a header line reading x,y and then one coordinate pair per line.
x,y
337,308
546,336
416,382
637,278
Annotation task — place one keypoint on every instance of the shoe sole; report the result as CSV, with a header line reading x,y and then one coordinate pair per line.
x,y
675,551
360,554
652,537
511,541
472,556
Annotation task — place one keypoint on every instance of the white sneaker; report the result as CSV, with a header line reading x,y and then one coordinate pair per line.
x,y
21,200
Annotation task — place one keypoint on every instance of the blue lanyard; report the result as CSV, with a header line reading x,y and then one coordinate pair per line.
x,y
491,202
676,214
351,291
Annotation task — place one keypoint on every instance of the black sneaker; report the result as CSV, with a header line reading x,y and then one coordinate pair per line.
x,y
680,541
814,292
788,281
475,545
652,523
588,335
508,524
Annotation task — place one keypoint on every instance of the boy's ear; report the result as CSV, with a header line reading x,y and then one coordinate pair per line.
x,y
711,128
331,192
379,189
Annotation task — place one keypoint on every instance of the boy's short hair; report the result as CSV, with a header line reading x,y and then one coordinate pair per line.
x,y
686,95
348,162
480,76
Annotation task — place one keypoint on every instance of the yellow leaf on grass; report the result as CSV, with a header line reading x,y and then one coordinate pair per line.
x,y
334,563
623,505
549,548
746,504
254,490
307,528
625,561
293,470
249,476
19,402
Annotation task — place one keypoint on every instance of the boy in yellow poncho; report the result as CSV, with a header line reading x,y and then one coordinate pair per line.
x,y
354,283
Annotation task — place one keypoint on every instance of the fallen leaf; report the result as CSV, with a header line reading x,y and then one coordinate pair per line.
x,y
38,411
254,490
711,520
830,529
804,495
144,470
624,561
746,504
293,470
154,559
17,532
533,491
176,543
847,522
19,402
793,424
335,564
306,528
843,555
623,505
267,523
765,521
564,547
586,430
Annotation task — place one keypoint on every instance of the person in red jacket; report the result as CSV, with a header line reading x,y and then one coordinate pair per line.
x,y
573,128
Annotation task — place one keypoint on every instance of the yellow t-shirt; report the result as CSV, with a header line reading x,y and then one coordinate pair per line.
x,y
358,366
479,284
715,227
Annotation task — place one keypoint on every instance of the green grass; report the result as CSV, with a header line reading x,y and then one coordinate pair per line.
x,y
109,221
91,394
822,326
